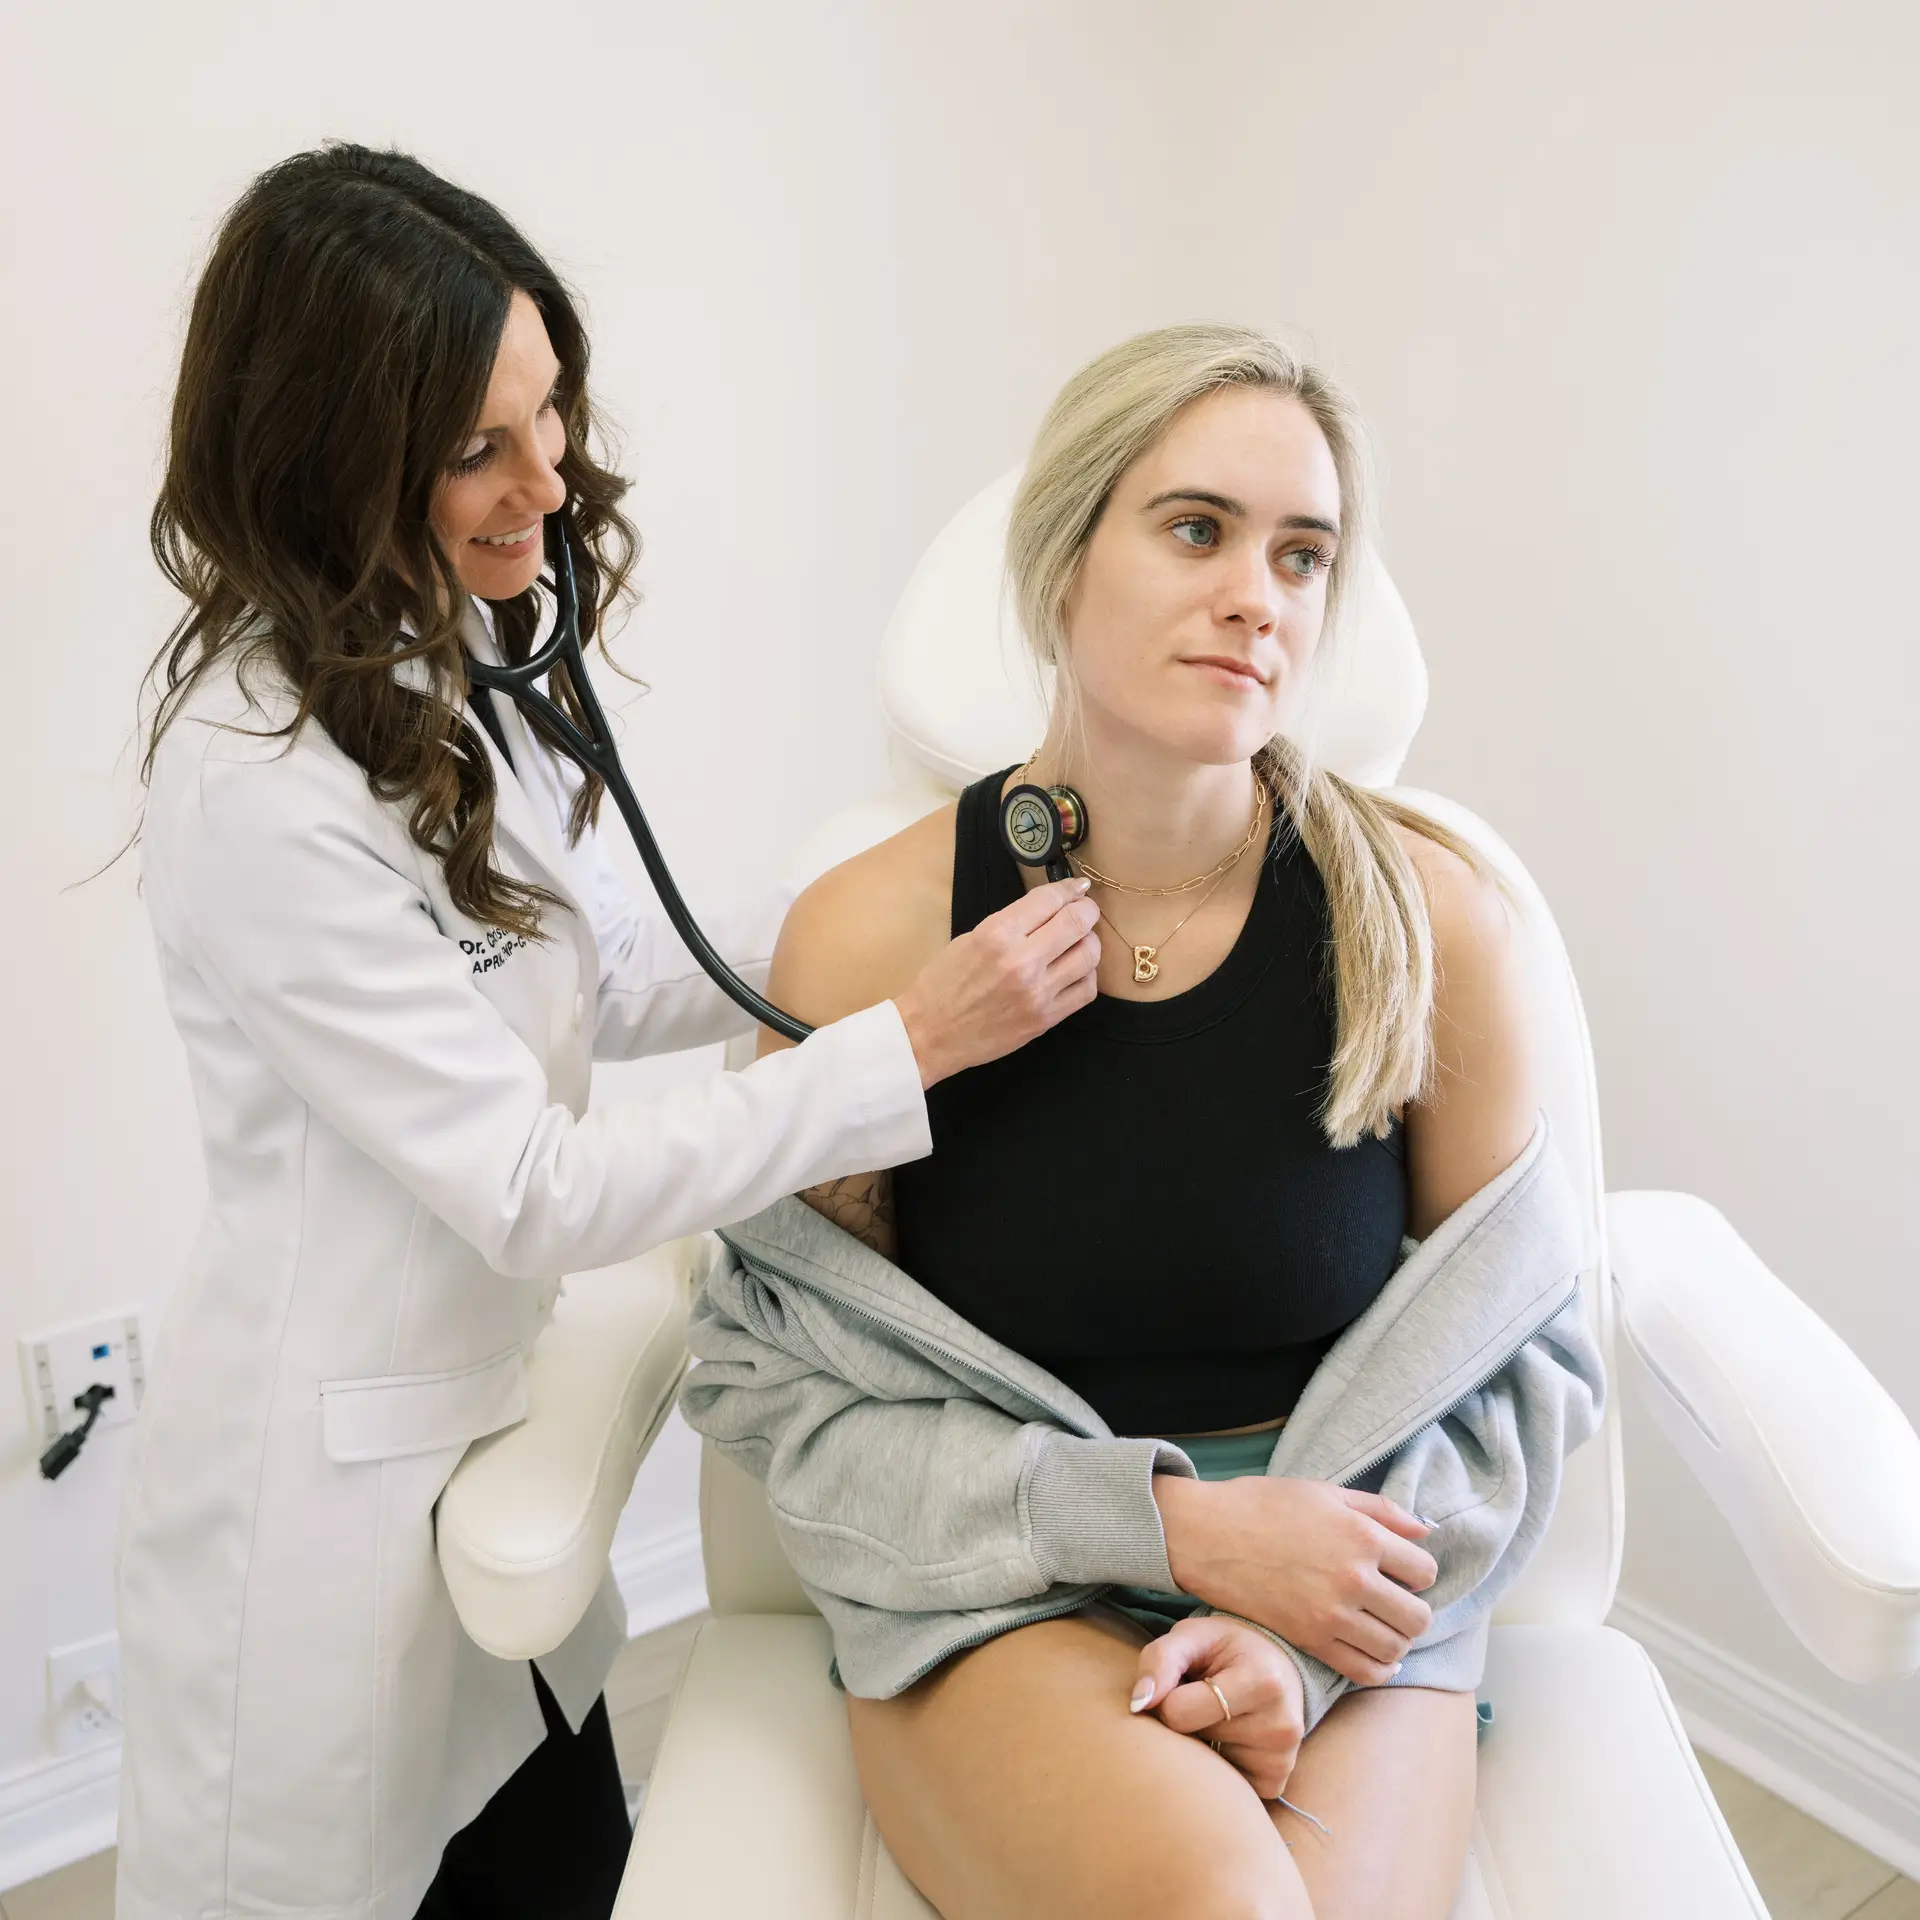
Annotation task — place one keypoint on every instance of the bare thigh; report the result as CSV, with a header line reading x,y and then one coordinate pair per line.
x,y
1013,1784
1390,1773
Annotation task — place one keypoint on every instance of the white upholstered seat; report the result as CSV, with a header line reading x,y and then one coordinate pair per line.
x,y
1590,1804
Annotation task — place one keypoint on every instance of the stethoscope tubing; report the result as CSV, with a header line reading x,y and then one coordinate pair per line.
x,y
597,751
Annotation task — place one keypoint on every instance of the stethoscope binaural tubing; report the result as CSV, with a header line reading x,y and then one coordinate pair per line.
x,y
597,751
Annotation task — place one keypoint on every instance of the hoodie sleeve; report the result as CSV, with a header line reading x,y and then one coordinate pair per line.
x,y
891,1481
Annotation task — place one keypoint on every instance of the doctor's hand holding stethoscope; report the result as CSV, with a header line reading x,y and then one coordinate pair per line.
x,y
393,945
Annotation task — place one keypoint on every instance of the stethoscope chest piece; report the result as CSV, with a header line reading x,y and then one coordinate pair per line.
x,y
1042,825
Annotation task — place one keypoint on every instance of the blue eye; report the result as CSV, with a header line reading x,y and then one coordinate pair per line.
x,y
1197,523
1317,560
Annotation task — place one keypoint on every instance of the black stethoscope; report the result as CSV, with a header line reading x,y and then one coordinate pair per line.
x,y
1040,825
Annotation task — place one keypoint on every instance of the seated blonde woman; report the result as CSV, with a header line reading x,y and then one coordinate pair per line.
x,y
1308,1045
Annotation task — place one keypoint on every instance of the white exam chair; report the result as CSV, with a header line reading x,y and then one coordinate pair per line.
x,y
1590,1804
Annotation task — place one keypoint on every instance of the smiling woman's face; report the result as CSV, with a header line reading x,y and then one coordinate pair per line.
x,y
490,505
1201,595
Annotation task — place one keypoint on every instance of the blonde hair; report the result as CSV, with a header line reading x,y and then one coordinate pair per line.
x,y
1105,418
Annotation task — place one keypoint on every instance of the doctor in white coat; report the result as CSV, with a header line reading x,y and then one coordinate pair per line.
x,y
392,946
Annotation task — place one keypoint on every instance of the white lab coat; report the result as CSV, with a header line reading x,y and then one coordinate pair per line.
x,y
400,1163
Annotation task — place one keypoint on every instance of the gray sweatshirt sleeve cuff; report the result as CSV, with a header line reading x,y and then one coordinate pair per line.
x,y
1320,1685
1091,1514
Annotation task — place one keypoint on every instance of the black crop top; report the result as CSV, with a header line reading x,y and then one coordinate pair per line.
x,y
1142,1200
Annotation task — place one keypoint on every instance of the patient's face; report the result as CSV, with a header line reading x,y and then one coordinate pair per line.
x,y
1202,592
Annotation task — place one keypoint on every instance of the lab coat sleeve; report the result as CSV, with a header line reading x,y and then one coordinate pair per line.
x,y
301,903
654,997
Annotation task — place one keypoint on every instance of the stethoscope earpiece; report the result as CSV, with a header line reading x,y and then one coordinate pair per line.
x,y
1042,825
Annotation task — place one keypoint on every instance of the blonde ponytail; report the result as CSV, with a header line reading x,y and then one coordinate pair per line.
x,y
1382,959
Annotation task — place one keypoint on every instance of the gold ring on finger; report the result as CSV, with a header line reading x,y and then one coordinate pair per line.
x,y
1226,1712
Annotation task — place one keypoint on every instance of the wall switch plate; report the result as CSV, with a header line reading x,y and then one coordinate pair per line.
x,y
77,1719
58,1365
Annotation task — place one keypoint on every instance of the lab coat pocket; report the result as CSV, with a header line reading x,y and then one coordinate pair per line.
x,y
393,1415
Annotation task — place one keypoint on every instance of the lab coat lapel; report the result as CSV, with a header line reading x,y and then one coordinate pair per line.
x,y
521,817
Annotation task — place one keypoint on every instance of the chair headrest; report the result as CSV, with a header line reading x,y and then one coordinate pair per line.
x,y
963,696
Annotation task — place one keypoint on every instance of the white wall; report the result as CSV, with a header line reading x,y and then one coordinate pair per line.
x,y
1624,290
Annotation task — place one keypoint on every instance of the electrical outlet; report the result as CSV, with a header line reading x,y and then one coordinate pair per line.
x,y
60,1364
77,1719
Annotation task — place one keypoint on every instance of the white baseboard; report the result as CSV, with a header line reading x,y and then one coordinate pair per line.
x,y
1813,1758
661,1578
58,1812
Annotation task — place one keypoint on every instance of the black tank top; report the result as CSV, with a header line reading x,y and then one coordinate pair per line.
x,y
1142,1200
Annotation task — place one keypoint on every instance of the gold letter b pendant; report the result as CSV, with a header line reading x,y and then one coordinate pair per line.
x,y
1146,965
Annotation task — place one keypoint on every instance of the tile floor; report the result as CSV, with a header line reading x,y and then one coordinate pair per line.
x,y
1804,1870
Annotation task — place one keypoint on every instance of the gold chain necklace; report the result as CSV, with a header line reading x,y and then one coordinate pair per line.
x,y
1146,959
1225,867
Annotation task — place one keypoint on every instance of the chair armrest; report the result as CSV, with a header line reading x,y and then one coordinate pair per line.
x,y
525,1524
1807,1455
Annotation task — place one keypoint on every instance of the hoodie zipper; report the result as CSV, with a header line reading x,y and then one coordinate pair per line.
x,y
1466,1393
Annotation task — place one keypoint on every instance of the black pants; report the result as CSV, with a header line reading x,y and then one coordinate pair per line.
x,y
552,1843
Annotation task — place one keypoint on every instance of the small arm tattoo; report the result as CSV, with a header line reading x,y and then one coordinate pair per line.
x,y
862,1205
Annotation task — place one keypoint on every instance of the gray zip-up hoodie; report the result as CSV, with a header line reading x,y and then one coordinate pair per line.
x,y
932,1488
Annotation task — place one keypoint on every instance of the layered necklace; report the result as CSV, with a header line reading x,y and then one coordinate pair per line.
x,y
1146,958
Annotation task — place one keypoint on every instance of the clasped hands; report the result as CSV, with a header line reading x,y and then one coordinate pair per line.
x,y
1334,1572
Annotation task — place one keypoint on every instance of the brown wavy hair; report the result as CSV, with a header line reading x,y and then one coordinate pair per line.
x,y
338,353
